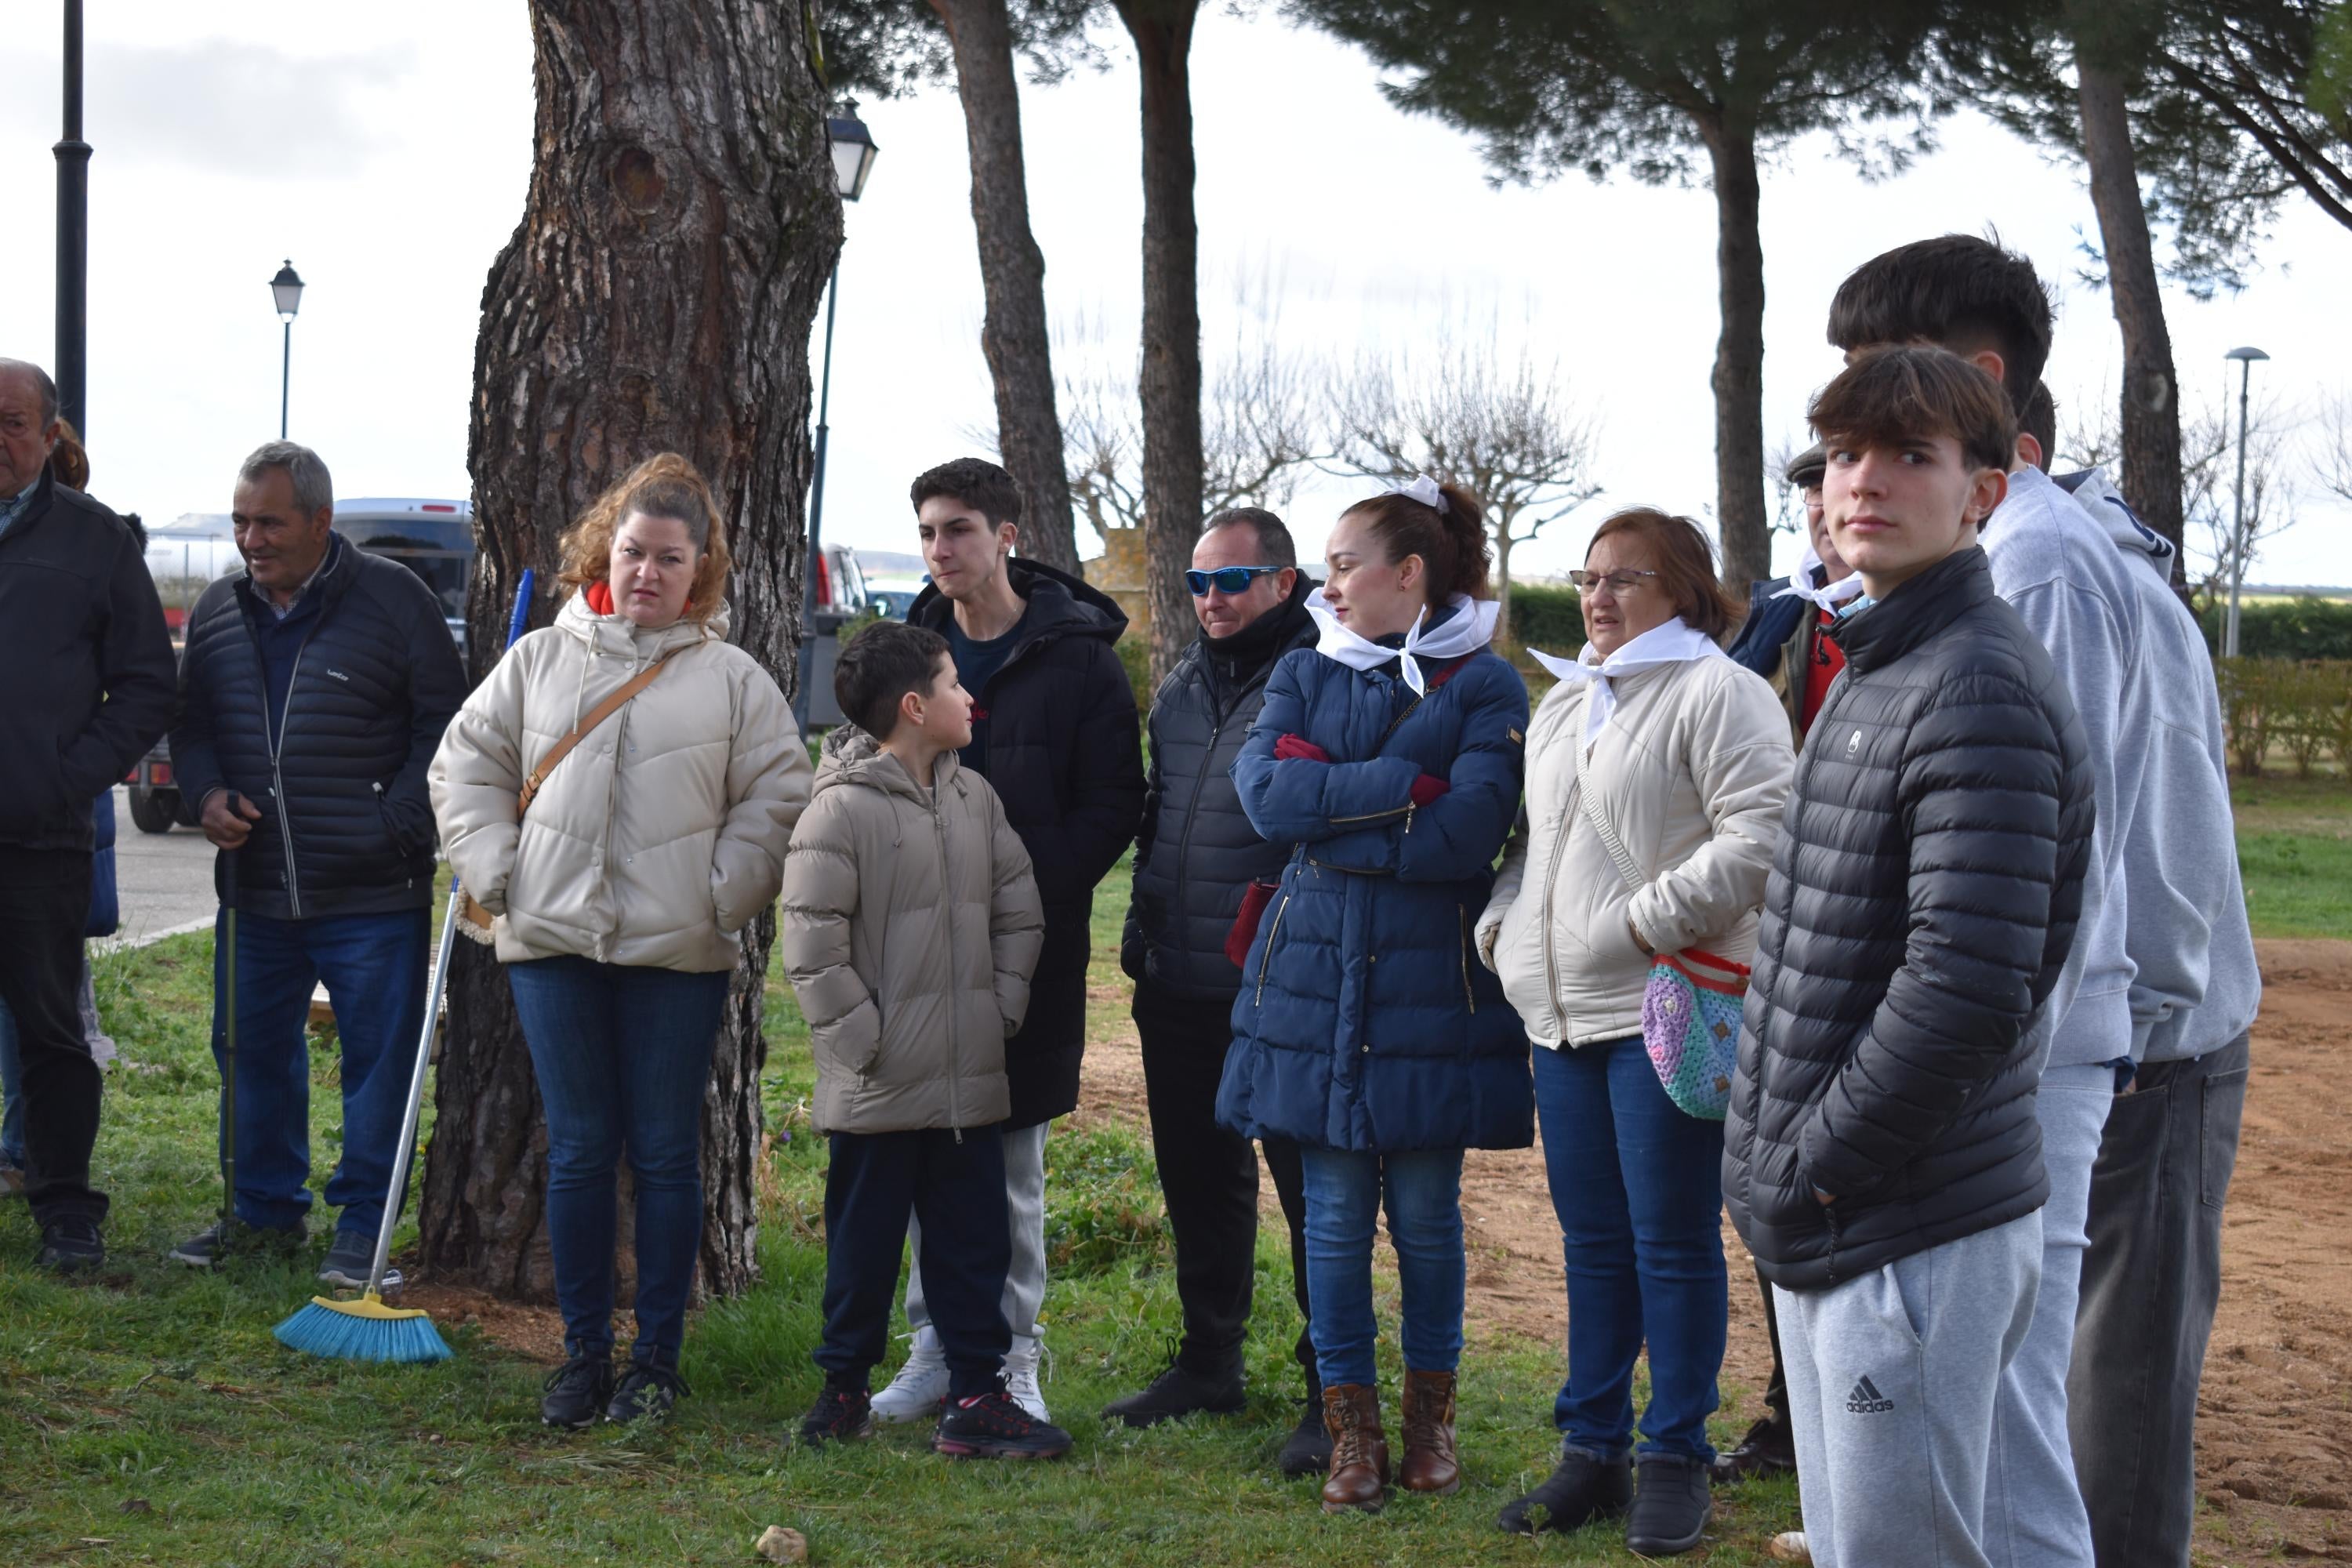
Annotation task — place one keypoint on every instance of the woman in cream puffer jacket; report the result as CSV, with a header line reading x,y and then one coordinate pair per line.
x,y
619,897
1688,756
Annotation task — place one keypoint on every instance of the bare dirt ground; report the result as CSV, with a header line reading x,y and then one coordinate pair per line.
x,y
2274,1429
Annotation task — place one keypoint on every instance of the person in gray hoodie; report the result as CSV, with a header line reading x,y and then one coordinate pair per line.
x,y
2073,590
2172,1140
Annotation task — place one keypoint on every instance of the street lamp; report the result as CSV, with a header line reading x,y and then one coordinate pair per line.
x,y
73,240
286,289
853,160
2245,358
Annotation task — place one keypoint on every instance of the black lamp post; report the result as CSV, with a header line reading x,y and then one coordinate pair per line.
x,y
2238,550
73,241
853,160
286,289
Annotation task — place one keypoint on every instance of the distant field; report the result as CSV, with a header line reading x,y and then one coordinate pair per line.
x,y
2295,851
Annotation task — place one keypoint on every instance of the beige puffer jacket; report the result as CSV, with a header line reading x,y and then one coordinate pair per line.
x,y
1693,768
663,833
911,927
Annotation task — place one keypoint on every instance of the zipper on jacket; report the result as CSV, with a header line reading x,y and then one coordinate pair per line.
x,y
1266,960
1184,839
1552,958
1462,914
276,770
955,1047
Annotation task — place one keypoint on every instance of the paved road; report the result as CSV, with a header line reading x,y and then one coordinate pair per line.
x,y
166,879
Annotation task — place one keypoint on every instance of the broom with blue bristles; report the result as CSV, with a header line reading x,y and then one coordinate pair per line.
x,y
367,1329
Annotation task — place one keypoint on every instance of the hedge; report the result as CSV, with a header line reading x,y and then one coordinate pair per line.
x,y
2304,708
1545,616
2306,628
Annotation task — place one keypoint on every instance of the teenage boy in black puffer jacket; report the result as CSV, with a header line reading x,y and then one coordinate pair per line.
x,y
1881,1158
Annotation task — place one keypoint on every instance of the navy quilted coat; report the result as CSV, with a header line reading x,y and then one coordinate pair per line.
x,y
1365,1021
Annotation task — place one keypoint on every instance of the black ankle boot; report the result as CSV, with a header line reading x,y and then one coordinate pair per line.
x,y
1671,1506
1583,1487
1308,1450
1178,1392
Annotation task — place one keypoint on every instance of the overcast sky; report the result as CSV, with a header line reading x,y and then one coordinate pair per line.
x,y
386,151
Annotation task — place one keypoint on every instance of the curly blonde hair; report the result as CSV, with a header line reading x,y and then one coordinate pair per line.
x,y
664,484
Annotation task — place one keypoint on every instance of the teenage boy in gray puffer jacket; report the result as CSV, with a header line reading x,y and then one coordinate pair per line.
x,y
911,926
1881,1157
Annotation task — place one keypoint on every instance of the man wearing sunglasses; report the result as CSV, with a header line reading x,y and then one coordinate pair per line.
x,y
1194,861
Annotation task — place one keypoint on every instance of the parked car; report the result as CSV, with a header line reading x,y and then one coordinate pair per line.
x,y
433,538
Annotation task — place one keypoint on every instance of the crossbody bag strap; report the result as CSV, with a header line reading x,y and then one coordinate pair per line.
x,y
596,715
1601,824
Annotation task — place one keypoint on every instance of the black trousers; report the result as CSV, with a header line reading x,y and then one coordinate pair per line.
x,y
954,1182
43,906
2151,1284
1209,1177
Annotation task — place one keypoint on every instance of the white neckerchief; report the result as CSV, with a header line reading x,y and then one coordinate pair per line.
x,y
1670,642
1469,630
1830,596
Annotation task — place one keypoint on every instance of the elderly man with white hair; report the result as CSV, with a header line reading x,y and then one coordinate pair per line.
x,y
82,639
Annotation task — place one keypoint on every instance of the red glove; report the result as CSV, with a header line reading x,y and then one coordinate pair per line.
x,y
1428,787
1291,749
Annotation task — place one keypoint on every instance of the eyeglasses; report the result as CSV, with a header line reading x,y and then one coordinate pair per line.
x,y
1620,582
1227,579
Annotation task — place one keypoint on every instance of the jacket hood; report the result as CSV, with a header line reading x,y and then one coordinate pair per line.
x,y
1059,605
2097,495
851,756
619,636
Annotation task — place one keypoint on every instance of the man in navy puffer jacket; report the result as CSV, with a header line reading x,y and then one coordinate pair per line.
x,y
313,691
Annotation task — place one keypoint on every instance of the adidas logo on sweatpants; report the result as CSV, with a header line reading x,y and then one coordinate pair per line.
x,y
1866,1399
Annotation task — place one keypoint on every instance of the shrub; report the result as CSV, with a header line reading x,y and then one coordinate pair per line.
x,y
2307,627
2305,708
1134,655
1545,616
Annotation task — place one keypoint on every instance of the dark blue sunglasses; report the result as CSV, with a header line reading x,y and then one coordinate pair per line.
x,y
1228,579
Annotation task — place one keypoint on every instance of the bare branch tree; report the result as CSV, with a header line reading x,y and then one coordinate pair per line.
x,y
1507,431
2331,464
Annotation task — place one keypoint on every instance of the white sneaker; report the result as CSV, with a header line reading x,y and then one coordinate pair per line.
x,y
1021,1374
1788,1546
921,1386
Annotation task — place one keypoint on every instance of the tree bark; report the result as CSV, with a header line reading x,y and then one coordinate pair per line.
x,y
1738,378
2151,402
1012,332
656,296
1171,378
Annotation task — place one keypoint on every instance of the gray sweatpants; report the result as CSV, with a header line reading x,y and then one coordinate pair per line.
x,y
1891,1378
2035,1516
1024,1205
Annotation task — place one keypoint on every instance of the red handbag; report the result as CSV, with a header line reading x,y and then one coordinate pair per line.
x,y
1254,899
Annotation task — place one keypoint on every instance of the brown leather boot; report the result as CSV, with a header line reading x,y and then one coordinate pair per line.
x,y
1360,1451
1429,1462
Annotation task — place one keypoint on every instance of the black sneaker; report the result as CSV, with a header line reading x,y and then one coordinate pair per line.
x,y
577,1392
233,1239
838,1416
1179,1391
1582,1487
71,1244
992,1425
1769,1448
348,1258
1671,1504
646,1394
1308,1450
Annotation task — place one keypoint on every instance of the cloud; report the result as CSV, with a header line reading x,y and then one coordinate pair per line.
x,y
222,107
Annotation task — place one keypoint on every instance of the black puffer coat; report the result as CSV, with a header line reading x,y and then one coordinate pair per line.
x,y
1922,898
1197,851
346,826
1064,753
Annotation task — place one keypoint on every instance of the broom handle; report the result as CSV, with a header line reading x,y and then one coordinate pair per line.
x,y
225,875
392,1200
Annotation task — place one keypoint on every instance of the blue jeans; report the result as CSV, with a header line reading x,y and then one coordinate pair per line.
x,y
1344,1192
12,1108
1638,1188
374,966
622,1055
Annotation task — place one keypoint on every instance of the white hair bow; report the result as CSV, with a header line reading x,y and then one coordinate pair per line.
x,y
1419,487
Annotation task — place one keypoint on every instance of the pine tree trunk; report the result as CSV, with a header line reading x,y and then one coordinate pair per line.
x,y
2151,402
1170,381
1739,380
656,296
1012,332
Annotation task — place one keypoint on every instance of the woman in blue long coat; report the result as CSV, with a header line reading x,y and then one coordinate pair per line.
x,y
1389,758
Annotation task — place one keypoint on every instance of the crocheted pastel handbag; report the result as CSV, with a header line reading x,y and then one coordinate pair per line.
x,y
1690,1007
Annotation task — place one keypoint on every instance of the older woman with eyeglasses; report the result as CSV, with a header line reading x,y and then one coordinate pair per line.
x,y
1656,772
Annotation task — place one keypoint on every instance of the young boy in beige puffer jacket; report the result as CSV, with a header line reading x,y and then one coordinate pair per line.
x,y
911,925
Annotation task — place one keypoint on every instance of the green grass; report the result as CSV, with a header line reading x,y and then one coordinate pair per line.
x,y
151,1417
2295,851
